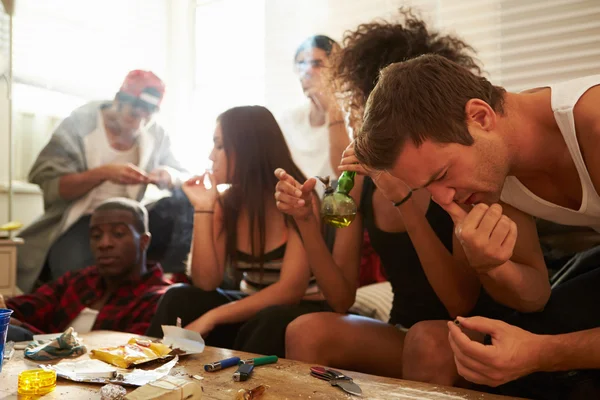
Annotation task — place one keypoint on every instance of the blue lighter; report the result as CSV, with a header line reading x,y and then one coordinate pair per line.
x,y
219,365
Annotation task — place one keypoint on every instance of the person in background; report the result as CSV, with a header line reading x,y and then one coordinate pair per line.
x,y
240,239
475,143
119,293
315,132
429,269
103,149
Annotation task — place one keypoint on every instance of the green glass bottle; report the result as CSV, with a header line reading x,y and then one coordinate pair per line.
x,y
338,208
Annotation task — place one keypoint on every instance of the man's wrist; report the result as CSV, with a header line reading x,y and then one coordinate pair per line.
x,y
99,174
550,350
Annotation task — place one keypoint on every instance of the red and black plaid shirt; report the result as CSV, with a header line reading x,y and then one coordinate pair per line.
x,y
52,307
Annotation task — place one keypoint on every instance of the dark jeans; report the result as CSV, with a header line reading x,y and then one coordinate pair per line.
x,y
263,334
18,334
170,223
573,306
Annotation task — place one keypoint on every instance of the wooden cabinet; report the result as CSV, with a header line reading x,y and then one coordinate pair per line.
x,y
8,266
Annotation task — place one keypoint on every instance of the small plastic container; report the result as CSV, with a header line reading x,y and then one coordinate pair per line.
x,y
36,382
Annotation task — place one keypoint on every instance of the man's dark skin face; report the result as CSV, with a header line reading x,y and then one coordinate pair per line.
x,y
119,249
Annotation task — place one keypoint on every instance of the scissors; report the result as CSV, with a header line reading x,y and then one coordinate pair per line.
x,y
336,378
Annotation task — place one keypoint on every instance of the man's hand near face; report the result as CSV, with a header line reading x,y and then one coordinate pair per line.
x,y
487,236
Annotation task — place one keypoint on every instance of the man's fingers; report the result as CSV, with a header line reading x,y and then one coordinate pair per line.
x,y
454,210
500,232
470,348
462,359
470,374
473,219
490,219
511,238
481,324
134,168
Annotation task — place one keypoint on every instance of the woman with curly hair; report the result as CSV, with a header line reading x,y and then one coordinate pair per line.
x,y
423,260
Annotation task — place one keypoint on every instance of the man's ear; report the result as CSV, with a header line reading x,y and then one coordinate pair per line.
x,y
145,240
481,114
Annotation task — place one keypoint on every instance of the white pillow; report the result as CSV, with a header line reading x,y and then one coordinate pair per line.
x,y
374,301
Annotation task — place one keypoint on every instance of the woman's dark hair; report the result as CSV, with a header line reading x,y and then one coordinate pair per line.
x,y
254,141
373,46
322,42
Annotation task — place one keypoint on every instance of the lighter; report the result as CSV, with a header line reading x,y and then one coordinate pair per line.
x,y
243,373
259,360
219,365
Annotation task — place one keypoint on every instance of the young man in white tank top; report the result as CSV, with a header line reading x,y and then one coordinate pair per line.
x,y
433,124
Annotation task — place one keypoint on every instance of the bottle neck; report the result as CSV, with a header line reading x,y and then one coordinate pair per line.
x,y
346,182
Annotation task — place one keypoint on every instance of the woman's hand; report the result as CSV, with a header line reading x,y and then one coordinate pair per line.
x,y
293,198
349,162
203,325
391,187
201,197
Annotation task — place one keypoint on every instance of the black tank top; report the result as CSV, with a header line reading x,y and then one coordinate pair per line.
x,y
414,298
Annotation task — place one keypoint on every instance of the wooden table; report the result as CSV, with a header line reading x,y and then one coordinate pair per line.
x,y
285,380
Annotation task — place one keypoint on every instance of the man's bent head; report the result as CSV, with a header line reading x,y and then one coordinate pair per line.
x,y
432,123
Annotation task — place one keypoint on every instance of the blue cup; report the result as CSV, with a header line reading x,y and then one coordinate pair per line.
x,y
4,322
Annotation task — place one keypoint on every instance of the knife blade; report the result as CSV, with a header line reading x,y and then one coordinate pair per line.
x,y
338,379
347,385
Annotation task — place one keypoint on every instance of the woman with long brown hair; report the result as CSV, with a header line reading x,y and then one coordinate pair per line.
x,y
239,237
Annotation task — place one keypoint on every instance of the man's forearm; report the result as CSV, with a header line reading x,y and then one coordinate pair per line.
x,y
517,286
455,285
577,350
73,186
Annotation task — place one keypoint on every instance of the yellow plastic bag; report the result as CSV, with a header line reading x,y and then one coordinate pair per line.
x,y
136,351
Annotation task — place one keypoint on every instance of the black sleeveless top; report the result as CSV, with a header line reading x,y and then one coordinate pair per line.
x,y
414,298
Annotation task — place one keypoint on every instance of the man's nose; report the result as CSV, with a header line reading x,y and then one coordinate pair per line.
x,y
105,241
442,194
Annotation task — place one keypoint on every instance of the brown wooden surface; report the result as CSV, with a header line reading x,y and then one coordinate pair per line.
x,y
285,380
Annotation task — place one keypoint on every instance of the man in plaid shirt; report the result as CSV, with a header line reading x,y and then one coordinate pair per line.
x,y
119,293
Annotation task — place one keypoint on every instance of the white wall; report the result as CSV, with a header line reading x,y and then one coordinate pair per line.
x,y
4,152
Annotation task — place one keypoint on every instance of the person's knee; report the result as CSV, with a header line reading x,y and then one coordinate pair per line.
x,y
176,295
427,354
176,298
306,340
